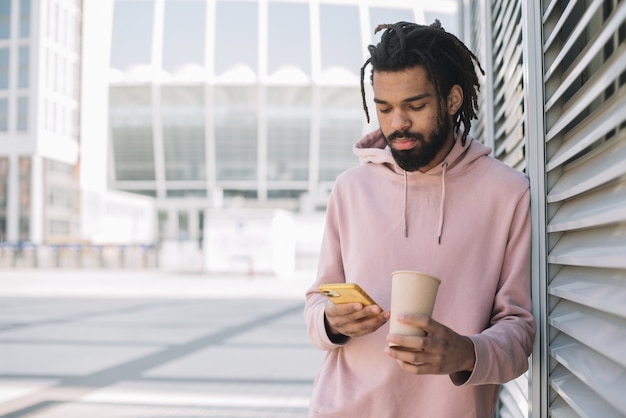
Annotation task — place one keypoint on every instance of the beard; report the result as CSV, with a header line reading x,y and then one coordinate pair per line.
x,y
424,151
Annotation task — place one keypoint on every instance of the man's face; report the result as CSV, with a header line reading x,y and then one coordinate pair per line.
x,y
411,117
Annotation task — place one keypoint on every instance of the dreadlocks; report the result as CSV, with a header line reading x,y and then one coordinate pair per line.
x,y
447,62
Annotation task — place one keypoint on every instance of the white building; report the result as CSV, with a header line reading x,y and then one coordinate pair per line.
x,y
240,103
46,109
39,119
198,104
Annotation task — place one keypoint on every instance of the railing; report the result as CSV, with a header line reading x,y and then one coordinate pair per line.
x,y
78,256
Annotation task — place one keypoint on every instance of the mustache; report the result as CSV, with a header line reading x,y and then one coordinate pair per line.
x,y
405,134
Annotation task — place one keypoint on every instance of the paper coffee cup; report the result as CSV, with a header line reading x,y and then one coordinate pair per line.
x,y
411,292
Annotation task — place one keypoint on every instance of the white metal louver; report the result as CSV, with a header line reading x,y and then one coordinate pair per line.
x,y
496,39
508,84
560,84
508,136
477,42
584,57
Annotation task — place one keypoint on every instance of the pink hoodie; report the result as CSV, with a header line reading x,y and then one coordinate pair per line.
x,y
467,222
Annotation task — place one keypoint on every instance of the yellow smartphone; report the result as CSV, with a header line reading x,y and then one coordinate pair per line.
x,y
346,293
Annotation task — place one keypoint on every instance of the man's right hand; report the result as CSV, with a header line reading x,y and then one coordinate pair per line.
x,y
353,319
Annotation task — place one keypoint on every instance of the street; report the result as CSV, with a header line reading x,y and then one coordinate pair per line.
x,y
127,344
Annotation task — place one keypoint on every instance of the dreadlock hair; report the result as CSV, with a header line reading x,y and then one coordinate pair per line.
x,y
445,58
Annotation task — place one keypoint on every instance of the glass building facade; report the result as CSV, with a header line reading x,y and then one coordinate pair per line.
x,y
244,101
40,77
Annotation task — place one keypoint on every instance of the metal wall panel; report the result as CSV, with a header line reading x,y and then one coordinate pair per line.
x,y
508,61
496,39
585,96
562,97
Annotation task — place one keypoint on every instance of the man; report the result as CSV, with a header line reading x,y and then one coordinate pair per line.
x,y
426,197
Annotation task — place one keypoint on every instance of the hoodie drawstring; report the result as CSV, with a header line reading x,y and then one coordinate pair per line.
x,y
406,227
442,202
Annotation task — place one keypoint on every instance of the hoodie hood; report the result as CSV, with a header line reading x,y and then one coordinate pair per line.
x,y
373,149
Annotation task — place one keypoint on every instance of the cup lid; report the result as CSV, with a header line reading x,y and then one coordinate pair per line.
x,y
416,272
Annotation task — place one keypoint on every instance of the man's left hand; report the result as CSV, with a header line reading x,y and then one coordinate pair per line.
x,y
440,351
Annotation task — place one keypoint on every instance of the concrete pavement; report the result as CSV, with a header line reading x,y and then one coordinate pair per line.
x,y
125,344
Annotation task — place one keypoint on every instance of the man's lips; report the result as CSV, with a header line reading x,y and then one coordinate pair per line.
x,y
403,143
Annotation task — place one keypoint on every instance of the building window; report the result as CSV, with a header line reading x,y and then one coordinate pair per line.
x,y
4,68
236,29
183,226
24,67
5,19
63,169
22,114
59,228
341,121
182,115
289,119
4,115
131,131
340,37
4,179
284,194
183,34
133,152
186,193
24,170
289,38
24,234
236,114
61,197
24,18
132,33
162,225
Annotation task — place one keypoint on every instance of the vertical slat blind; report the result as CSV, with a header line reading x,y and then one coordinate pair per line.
x,y
585,101
583,55
508,132
508,106
496,39
477,44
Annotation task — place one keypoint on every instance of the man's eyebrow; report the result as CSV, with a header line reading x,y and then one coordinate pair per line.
x,y
408,99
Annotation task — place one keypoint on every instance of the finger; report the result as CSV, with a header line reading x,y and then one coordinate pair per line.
x,y
338,315
366,312
416,362
407,355
364,326
415,368
415,319
358,323
408,342
338,309
371,322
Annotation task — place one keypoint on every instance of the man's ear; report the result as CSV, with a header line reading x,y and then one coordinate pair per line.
x,y
455,99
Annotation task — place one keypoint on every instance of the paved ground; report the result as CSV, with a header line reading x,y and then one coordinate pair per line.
x,y
122,344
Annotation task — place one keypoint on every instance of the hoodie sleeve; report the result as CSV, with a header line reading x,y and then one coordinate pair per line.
x,y
330,270
502,350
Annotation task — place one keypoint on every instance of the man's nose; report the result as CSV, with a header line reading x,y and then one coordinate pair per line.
x,y
400,121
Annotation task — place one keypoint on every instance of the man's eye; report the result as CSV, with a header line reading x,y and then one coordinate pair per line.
x,y
384,110
417,107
